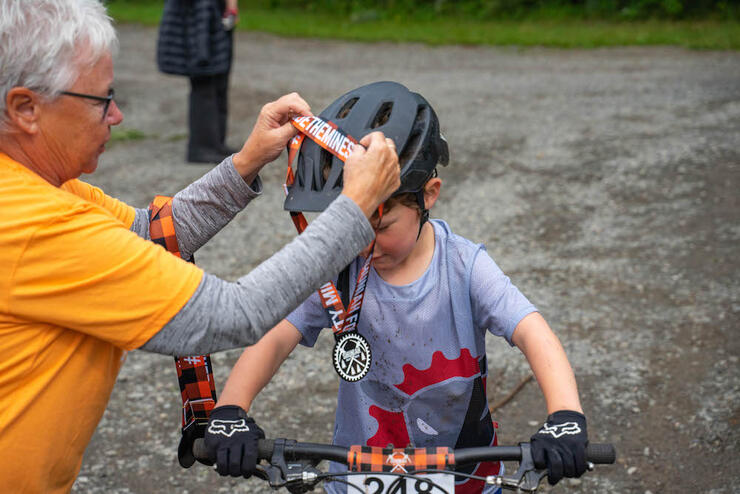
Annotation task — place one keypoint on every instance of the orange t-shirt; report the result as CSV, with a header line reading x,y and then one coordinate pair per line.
x,y
77,289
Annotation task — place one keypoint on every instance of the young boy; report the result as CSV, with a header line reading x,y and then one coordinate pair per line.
x,y
430,298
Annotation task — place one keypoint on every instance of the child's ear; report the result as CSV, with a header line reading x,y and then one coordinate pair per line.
x,y
431,191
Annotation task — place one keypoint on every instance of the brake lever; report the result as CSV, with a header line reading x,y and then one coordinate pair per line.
x,y
527,478
260,471
296,477
276,471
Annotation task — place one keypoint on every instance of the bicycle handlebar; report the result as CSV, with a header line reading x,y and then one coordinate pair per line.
x,y
287,462
598,453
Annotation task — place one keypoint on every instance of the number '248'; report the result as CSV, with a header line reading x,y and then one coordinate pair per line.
x,y
398,485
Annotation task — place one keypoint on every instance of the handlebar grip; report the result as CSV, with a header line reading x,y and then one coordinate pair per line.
x,y
603,453
201,453
265,448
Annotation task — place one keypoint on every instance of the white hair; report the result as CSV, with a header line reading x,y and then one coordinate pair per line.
x,y
44,44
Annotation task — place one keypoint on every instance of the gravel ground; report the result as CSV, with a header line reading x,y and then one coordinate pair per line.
x,y
601,181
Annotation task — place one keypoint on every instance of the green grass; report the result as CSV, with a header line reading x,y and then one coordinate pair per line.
x,y
564,32
119,134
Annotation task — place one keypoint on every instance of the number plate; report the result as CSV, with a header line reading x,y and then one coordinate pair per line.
x,y
435,483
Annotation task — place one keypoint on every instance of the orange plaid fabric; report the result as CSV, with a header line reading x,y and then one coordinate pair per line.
x,y
406,460
197,388
194,373
161,224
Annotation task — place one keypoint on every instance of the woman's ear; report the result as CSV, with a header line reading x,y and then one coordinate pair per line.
x,y
431,191
22,106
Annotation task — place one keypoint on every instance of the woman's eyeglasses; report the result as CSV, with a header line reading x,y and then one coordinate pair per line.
x,y
106,99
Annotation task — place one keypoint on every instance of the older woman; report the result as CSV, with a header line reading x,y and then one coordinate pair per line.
x,y
80,283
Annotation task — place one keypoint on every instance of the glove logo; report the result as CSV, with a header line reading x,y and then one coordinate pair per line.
x,y
559,430
227,427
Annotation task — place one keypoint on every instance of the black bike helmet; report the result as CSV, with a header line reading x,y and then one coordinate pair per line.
x,y
388,107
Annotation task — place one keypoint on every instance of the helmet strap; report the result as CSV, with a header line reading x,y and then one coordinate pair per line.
x,y
422,204
424,216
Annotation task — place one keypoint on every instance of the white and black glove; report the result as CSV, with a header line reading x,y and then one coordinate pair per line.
x,y
560,445
231,439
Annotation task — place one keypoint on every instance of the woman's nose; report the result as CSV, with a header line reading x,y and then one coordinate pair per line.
x,y
115,115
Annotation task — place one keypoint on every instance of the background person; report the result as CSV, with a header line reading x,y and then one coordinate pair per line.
x,y
196,40
79,282
431,298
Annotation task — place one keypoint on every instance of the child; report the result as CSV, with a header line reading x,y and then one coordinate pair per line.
x,y
430,298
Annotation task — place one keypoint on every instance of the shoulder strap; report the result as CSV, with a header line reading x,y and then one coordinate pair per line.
x,y
194,373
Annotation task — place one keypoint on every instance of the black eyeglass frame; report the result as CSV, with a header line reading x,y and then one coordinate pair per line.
x,y
106,99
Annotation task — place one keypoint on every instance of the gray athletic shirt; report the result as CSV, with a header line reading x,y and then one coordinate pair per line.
x,y
221,314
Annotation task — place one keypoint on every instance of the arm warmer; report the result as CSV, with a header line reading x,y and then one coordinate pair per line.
x,y
204,207
222,315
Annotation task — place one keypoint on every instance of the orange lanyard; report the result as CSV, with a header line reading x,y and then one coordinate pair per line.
x,y
351,352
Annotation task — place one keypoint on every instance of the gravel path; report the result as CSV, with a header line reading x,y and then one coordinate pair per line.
x,y
604,182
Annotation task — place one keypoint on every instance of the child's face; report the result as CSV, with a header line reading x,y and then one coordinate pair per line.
x,y
395,237
397,234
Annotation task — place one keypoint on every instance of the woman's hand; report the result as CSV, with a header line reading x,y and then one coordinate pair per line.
x,y
230,17
372,173
270,135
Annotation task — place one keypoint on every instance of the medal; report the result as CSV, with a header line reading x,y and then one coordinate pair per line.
x,y
352,356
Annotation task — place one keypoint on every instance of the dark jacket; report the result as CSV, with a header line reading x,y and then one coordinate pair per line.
x,y
192,40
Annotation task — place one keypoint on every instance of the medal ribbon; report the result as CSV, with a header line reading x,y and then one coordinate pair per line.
x,y
328,136
194,372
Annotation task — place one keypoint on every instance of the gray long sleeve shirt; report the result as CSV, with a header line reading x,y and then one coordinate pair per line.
x,y
222,315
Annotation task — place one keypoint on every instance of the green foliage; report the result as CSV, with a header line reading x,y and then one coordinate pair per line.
x,y
363,10
139,11
511,9
564,26
119,134
514,9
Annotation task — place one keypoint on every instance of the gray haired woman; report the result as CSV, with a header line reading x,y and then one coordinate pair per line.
x,y
81,284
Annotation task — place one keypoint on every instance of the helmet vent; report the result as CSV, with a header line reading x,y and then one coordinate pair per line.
x,y
383,114
326,160
344,110
413,143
